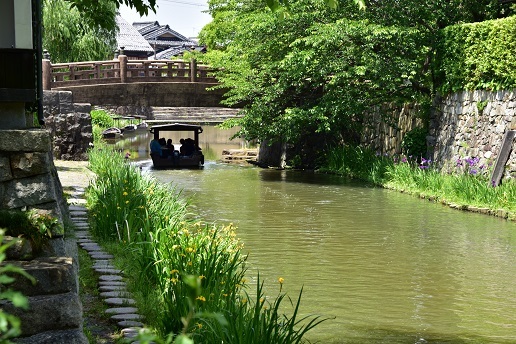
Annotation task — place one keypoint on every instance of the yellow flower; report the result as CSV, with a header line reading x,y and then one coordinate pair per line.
x,y
125,193
281,280
175,271
126,202
190,249
199,325
201,298
202,277
173,280
189,263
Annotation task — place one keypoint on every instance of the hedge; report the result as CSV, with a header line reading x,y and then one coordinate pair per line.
x,y
477,56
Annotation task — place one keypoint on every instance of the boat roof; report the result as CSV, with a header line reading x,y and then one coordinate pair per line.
x,y
176,127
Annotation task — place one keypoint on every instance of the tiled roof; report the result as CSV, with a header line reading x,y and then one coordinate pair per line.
x,y
129,38
152,30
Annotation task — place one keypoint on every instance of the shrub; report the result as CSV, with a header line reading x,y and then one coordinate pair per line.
x,y
414,143
477,56
101,118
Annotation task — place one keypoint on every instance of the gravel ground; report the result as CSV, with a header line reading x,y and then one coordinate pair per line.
x,y
73,173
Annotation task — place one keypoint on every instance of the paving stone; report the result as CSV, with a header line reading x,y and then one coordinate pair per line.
x,y
130,332
119,301
111,283
91,244
112,288
121,310
74,213
82,234
103,266
76,208
118,293
76,201
101,256
84,241
81,224
102,262
110,278
128,316
105,271
129,323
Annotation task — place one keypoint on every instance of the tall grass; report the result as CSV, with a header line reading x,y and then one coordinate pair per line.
x,y
188,276
466,183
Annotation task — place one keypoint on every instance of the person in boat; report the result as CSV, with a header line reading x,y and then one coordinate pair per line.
x,y
187,147
155,147
164,151
170,146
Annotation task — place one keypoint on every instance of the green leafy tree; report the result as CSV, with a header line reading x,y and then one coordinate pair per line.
x,y
70,35
314,71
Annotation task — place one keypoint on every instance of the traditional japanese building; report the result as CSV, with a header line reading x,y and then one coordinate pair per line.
x,y
164,42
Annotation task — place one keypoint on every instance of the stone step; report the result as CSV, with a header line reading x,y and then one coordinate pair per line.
x,y
48,313
75,336
54,275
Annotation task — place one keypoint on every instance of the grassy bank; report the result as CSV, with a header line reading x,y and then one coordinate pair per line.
x,y
188,278
465,183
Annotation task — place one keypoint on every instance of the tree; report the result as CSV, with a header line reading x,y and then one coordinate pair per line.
x,y
317,70
70,35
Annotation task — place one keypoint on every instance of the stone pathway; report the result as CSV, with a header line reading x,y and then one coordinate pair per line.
x,y
111,282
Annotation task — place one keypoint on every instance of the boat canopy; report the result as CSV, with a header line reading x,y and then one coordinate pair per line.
x,y
197,129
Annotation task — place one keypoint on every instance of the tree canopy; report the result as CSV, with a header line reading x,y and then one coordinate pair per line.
x,y
314,69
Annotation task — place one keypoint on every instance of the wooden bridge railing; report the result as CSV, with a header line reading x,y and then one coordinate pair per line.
x,y
122,70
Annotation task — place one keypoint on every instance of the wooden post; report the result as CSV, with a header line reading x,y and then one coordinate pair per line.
x,y
503,157
47,74
193,70
123,68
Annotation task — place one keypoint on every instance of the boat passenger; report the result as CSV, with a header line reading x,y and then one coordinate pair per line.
x,y
155,147
170,146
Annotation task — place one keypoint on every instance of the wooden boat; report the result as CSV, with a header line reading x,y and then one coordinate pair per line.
x,y
111,133
175,159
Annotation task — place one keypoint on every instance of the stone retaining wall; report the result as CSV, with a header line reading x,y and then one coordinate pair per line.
x,y
472,125
463,125
384,129
69,124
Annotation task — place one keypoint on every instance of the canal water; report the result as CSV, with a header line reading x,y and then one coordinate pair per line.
x,y
385,267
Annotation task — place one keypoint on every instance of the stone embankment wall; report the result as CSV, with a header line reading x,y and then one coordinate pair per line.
x,y
29,180
462,125
69,124
472,125
384,129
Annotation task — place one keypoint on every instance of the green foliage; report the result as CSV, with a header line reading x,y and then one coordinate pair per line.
x,y
477,56
319,70
36,227
94,8
101,118
481,105
414,142
9,324
467,184
70,35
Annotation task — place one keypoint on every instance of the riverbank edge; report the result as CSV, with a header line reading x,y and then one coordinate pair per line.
x,y
501,213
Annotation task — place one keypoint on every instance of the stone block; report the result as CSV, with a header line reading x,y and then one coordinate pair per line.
x,y
66,102
48,313
29,164
54,275
82,108
5,168
73,336
29,192
31,140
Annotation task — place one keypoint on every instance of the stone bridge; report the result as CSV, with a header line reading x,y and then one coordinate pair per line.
x,y
135,83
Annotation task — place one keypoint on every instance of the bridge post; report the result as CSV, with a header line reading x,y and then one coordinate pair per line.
x,y
193,70
46,74
123,68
